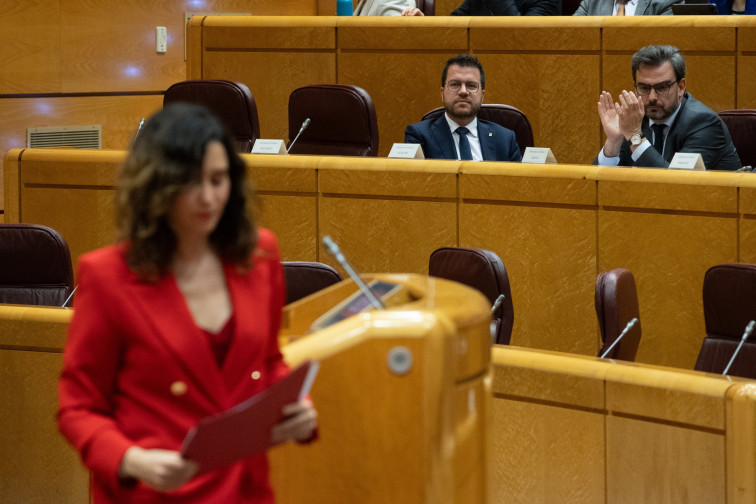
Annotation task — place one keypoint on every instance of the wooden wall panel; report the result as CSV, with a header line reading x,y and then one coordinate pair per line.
x,y
567,454
118,115
665,464
746,93
399,64
284,72
29,46
39,466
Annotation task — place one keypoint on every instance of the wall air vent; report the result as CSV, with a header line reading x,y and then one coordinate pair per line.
x,y
82,137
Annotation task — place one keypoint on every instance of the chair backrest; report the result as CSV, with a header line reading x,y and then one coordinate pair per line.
x,y
342,121
231,102
616,305
742,126
35,265
503,115
427,6
570,6
483,270
304,278
729,303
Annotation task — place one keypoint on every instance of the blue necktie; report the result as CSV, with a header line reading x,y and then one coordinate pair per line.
x,y
465,153
659,137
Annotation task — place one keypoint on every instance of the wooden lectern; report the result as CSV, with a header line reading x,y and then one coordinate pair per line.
x,y
403,398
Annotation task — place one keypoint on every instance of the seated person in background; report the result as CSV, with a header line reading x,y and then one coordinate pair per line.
x,y
625,7
383,7
647,129
502,8
731,6
459,134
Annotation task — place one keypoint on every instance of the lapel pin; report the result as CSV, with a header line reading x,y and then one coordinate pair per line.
x,y
490,134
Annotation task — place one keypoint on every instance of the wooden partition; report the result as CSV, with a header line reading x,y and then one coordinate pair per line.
x,y
53,74
575,429
551,68
564,428
402,395
555,227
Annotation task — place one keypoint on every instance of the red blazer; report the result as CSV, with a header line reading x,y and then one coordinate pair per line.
x,y
138,371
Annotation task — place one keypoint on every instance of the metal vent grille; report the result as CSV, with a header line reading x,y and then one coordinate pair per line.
x,y
82,137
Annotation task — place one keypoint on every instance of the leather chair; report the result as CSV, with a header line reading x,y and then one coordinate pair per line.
x,y
427,6
342,121
729,303
35,265
231,102
305,278
503,115
616,305
483,270
742,126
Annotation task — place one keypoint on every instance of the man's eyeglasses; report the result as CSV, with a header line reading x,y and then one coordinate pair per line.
x,y
661,89
454,86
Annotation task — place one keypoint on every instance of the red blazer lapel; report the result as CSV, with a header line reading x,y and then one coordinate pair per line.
x,y
180,334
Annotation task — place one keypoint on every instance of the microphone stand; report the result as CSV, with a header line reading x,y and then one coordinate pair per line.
x,y
748,330
334,250
622,334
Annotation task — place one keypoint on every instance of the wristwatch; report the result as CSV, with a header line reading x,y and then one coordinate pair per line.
x,y
636,139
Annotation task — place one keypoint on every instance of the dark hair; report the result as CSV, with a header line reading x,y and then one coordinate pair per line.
x,y
655,55
166,159
464,60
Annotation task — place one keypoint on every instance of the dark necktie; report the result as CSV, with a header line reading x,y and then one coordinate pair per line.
x,y
465,153
659,137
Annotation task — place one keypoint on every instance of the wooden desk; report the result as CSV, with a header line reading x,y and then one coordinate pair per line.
x,y
551,68
555,227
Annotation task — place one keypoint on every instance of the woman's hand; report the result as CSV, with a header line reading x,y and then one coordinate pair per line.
x,y
162,470
299,423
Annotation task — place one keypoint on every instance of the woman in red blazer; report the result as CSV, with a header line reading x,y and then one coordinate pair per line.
x,y
177,322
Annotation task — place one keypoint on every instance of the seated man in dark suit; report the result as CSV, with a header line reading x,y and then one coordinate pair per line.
x,y
501,8
625,7
459,134
648,128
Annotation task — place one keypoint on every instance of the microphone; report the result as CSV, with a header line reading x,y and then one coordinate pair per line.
x,y
139,128
304,127
334,250
622,334
69,297
497,303
748,330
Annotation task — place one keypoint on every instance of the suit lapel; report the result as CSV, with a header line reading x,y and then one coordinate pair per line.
x,y
487,143
443,137
165,308
641,8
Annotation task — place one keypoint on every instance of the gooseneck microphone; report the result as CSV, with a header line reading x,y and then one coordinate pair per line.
x,y
305,123
497,303
334,250
69,297
622,334
748,330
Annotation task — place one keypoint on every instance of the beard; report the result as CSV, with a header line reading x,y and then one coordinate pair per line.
x,y
464,113
662,113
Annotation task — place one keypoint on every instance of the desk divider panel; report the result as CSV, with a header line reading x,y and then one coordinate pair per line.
x,y
554,226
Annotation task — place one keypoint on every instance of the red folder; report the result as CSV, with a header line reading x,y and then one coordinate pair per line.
x,y
244,430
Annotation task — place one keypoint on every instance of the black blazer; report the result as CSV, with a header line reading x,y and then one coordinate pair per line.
x,y
497,143
509,8
696,129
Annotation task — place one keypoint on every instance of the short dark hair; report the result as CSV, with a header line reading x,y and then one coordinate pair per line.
x,y
464,60
165,160
655,55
